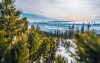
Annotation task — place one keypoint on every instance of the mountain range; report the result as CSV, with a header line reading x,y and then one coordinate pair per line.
x,y
36,17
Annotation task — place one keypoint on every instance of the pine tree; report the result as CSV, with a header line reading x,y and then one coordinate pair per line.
x,y
60,59
82,29
88,48
69,32
72,30
17,54
77,31
34,43
88,27
52,51
12,30
73,26
66,34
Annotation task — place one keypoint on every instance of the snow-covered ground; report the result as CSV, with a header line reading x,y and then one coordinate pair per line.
x,y
63,51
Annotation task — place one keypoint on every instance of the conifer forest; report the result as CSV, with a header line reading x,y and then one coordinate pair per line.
x,y
21,42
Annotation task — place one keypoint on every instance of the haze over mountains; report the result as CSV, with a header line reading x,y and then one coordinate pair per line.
x,y
36,17
51,24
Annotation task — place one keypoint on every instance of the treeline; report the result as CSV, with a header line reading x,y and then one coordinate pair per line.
x,y
72,30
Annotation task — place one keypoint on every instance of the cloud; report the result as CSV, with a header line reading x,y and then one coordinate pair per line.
x,y
62,9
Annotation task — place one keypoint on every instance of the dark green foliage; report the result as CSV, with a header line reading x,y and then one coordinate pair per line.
x,y
40,46
82,29
88,27
17,54
12,31
60,59
88,46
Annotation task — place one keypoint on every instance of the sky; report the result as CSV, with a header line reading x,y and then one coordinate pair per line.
x,y
73,10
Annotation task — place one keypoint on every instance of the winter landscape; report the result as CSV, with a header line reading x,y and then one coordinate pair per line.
x,y
49,31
